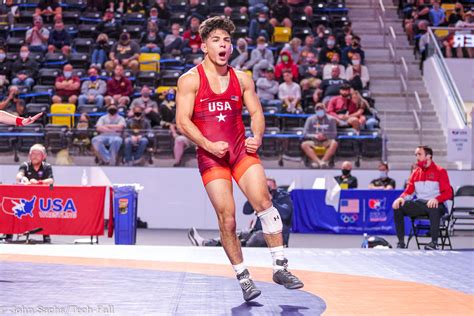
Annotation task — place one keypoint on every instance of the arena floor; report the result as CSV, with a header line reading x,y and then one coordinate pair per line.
x,y
107,279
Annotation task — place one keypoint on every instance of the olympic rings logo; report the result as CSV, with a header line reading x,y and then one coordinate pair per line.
x,y
349,219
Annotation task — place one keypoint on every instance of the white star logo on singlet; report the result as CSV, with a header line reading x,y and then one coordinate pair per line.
x,y
221,117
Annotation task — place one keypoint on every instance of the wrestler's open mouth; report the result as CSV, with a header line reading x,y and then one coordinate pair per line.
x,y
222,54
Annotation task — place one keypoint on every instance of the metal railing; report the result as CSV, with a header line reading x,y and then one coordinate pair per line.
x,y
433,50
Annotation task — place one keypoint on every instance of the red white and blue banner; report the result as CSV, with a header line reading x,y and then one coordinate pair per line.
x,y
58,210
359,211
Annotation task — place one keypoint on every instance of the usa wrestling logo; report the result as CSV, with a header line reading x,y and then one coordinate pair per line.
x,y
18,207
47,207
377,210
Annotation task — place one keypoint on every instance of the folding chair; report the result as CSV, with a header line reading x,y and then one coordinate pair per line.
x,y
463,208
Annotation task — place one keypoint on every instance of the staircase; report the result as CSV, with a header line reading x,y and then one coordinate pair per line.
x,y
398,123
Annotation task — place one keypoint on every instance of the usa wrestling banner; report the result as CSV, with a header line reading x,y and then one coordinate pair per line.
x,y
58,210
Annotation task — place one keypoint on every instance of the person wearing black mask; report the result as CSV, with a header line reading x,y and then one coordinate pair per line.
x,y
107,144
136,140
457,15
346,180
351,50
147,105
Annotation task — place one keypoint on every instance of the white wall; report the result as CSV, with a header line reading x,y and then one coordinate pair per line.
x,y
462,71
175,197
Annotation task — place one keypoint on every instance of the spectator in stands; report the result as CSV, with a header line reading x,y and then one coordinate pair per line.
x,y
117,5
372,122
329,87
310,73
119,89
164,12
437,14
151,40
5,69
258,6
384,182
430,183
347,42
107,144
67,86
261,58
181,143
351,50
168,108
9,12
344,38
320,39
309,47
319,131
59,39
136,6
37,36
82,134
36,171
466,23
345,111
192,39
12,103
24,69
136,137
457,15
286,63
267,90
93,90
279,13
100,51
357,74
96,5
147,105
197,9
421,12
294,48
240,55
260,26
253,236
335,61
327,52
47,9
346,180
289,93
110,25
174,41
125,52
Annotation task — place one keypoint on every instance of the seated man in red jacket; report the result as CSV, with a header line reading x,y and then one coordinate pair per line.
x,y
430,183
119,89
345,111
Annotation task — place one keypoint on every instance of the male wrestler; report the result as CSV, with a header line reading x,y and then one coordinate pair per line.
x,y
209,102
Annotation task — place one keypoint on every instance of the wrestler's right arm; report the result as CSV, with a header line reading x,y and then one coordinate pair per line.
x,y
188,84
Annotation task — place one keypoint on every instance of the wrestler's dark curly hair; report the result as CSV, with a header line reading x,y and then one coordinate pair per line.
x,y
215,23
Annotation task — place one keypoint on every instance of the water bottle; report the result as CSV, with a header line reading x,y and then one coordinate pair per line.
x,y
84,179
365,242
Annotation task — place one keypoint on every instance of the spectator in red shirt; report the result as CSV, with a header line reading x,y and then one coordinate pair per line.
x,y
67,86
286,63
345,111
119,89
430,183
192,39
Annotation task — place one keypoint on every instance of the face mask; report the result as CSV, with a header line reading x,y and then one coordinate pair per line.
x,y
123,38
261,20
112,111
457,10
93,78
67,74
170,96
2,56
331,43
320,113
146,94
346,172
383,174
24,55
137,114
356,62
284,59
335,61
261,46
355,44
421,164
194,29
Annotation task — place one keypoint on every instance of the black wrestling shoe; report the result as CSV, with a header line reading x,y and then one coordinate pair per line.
x,y
46,239
401,245
431,246
285,277
249,290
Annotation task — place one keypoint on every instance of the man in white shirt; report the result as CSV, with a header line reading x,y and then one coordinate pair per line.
x,y
289,93
37,36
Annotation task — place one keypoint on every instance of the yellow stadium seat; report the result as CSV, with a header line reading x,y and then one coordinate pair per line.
x,y
281,34
162,89
149,62
448,9
441,33
63,108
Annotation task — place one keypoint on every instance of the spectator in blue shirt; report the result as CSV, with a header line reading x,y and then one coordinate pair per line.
x,y
437,14
59,39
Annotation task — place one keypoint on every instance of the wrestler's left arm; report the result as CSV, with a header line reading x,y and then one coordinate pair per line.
x,y
257,120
